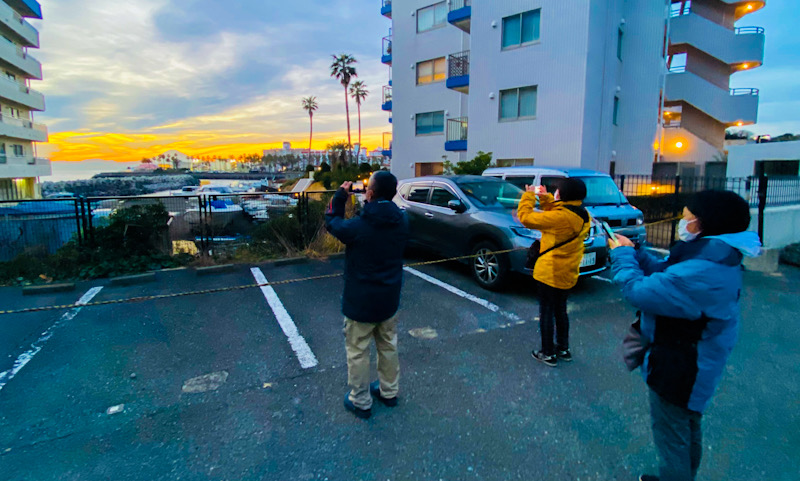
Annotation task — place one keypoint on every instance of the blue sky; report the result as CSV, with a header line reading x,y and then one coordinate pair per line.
x,y
201,75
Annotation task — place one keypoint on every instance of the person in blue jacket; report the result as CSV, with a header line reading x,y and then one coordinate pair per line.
x,y
373,278
689,312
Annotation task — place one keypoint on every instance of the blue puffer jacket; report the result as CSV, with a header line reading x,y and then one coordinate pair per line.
x,y
689,311
373,272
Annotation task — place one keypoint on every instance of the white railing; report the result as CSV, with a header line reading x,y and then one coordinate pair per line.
x,y
26,124
22,88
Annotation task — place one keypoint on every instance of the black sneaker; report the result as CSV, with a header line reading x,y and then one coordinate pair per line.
x,y
564,355
541,356
648,477
360,413
375,390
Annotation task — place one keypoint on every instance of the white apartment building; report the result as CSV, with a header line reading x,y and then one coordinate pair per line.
x,y
536,82
20,168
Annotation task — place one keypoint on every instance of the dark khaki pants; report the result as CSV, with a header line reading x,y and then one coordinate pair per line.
x,y
357,339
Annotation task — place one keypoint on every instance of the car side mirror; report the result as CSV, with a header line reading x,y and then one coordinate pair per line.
x,y
457,206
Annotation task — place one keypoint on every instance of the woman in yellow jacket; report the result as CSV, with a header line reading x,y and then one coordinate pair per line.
x,y
562,220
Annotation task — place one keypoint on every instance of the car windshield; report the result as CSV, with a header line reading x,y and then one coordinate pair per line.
x,y
492,195
602,191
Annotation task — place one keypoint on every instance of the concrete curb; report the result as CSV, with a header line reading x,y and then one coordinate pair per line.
x,y
48,289
288,262
135,279
206,271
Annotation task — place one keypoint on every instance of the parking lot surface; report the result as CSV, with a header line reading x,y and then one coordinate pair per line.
x,y
248,384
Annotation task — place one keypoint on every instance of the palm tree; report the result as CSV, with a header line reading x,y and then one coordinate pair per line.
x,y
342,69
359,93
310,105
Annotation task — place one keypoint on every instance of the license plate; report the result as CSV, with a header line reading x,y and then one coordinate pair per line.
x,y
589,259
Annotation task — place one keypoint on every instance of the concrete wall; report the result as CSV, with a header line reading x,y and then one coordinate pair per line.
x,y
556,64
742,158
781,226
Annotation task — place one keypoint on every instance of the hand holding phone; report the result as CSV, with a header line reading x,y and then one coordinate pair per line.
x,y
612,237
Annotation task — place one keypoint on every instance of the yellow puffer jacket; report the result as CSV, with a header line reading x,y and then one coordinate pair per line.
x,y
558,268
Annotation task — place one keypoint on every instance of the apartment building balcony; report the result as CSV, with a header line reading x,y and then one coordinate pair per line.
x,y
728,106
22,129
16,57
22,31
456,139
745,7
742,48
458,72
13,167
386,56
386,8
460,14
386,104
26,8
386,150
20,94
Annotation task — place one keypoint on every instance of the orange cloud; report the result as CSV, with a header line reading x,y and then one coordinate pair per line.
x,y
127,147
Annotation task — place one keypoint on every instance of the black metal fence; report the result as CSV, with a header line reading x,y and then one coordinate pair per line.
x,y
662,199
197,224
458,64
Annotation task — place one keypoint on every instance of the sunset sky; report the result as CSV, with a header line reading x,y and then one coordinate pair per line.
x,y
126,80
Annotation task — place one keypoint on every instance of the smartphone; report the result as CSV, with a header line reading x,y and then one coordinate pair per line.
x,y
609,232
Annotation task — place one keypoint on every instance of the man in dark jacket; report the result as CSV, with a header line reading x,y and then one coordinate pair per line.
x,y
373,278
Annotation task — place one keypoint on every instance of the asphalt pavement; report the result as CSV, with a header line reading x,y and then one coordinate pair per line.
x,y
248,385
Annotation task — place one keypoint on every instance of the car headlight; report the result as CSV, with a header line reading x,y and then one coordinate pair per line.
x,y
639,220
525,232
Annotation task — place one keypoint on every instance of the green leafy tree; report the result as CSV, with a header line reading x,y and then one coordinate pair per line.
x,y
475,166
343,70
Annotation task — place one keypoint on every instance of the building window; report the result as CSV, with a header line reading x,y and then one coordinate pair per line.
x,y
521,29
430,123
616,110
19,150
429,168
431,71
515,163
620,35
431,17
518,103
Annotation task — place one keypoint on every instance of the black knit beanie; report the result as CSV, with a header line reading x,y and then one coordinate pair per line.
x,y
720,212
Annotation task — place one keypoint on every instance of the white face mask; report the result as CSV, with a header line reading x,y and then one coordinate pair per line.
x,y
683,232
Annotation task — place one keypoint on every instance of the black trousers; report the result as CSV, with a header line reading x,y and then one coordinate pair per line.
x,y
553,319
678,436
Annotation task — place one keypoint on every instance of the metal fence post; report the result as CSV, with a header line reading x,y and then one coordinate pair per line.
x,y
676,198
78,221
763,183
622,183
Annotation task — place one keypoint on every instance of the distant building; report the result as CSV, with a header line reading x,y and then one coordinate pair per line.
x,y
770,158
20,168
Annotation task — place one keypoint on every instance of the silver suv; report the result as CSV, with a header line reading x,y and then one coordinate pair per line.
x,y
472,215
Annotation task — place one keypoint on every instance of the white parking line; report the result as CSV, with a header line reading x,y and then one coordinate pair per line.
x,y
466,295
298,343
37,346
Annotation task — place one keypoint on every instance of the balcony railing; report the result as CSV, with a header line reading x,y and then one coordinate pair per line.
x,y
457,4
22,88
387,94
22,159
677,69
748,30
457,129
386,3
737,92
386,55
679,9
27,124
458,64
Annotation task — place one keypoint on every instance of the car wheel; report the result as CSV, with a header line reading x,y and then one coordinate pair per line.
x,y
490,270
